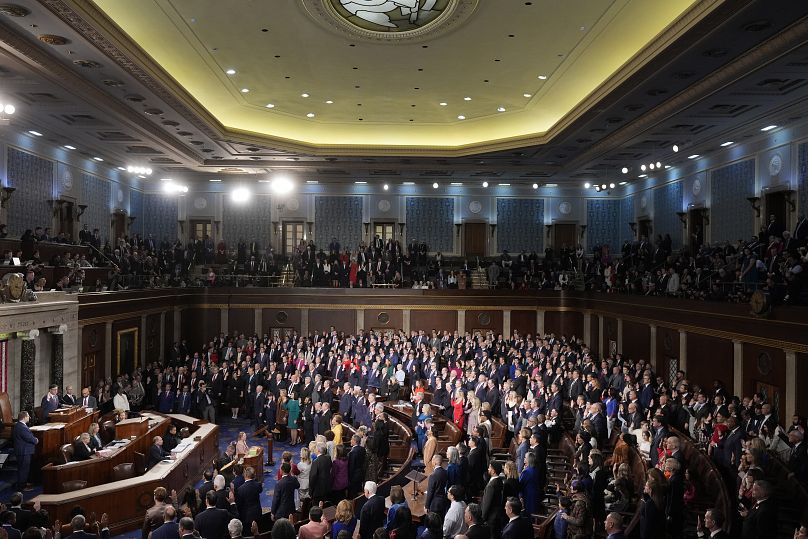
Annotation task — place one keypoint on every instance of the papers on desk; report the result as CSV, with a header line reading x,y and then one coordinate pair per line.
x,y
48,426
182,446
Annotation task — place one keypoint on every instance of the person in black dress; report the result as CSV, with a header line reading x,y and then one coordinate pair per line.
x,y
235,392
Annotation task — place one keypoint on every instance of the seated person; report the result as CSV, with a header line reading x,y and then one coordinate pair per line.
x,y
95,438
156,452
171,439
82,449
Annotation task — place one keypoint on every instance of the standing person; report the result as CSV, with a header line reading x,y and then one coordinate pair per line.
x,y
339,474
24,446
293,408
248,499
454,521
235,393
436,500
492,503
304,469
320,476
356,466
529,484
50,401
283,501
372,514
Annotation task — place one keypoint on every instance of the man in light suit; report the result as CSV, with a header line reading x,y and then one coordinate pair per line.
x,y
87,400
24,446
50,401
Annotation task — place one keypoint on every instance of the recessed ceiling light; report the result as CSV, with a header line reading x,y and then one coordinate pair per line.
x,y
35,133
549,185
457,183
651,166
623,183
611,185
667,167
643,176
310,115
69,147
675,148
467,98
485,184
542,77
504,185
727,143
270,105
461,117
500,109
769,128
264,181
231,71
304,94
624,170
329,102
215,180
240,195
658,164
694,156
603,186
121,168
535,186
97,159
435,185
587,185
312,181
443,103
245,90
166,179
408,183
360,182
527,95
643,167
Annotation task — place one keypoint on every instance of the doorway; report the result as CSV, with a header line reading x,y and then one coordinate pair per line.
x,y
776,205
65,224
127,350
695,227
201,228
292,235
385,230
474,240
564,235
118,225
645,228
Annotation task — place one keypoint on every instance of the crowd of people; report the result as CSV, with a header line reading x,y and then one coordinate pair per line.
x,y
309,389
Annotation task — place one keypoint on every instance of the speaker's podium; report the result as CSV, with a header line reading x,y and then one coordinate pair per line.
x,y
131,428
414,495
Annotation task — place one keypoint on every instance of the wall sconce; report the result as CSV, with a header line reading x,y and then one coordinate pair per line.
x,y
131,220
755,206
548,228
82,209
310,225
705,215
401,230
789,200
457,229
583,231
682,217
493,228
275,228
367,228
633,227
6,195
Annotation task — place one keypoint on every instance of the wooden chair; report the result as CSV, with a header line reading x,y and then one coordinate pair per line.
x,y
124,470
73,484
140,463
66,451
6,416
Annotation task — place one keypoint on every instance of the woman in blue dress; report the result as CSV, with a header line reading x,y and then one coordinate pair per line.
x,y
529,483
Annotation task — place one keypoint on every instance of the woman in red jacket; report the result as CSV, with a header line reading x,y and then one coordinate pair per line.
x,y
458,403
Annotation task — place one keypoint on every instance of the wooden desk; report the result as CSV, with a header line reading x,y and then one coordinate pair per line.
x,y
52,436
98,471
126,501
416,504
136,426
255,458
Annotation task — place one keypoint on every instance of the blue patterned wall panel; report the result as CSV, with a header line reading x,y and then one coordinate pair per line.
x,y
97,193
602,223
250,221
136,210
626,217
668,201
338,217
520,225
802,178
731,217
160,216
33,178
431,220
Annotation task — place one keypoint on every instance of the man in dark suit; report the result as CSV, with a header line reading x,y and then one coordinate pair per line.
x,y
184,401
212,522
492,502
658,441
798,460
187,527
356,463
87,400
207,486
169,529
517,526
165,400
78,524
436,500
81,448
24,445
759,521
372,514
156,452
69,399
713,524
248,498
477,460
320,476
9,525
477,529
50,401
24,516
731,445
283,501
614,526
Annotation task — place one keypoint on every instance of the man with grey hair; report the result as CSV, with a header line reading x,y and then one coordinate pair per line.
x,y
186,528
372,514
235,529
320,475
614,526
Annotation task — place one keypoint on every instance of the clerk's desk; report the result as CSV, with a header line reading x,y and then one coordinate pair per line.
x,y
126,501
64,424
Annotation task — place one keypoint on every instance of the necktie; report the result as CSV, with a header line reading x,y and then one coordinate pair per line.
x,y
85,401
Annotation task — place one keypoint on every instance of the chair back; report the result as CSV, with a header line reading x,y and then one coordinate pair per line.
x,y
67,453
73,484
124,470
140,463
107,431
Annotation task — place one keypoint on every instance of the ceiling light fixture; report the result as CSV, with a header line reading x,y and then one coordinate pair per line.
x,y
643,167
270,105
504,184
542,77
435,185
500,109
443,103
536,186
467,98
769,128
675,148
457,183
622,183
603,186
485,184
122,169
166,179
727,143
360,182
408,183
98,159
215,180
264,181
175,188
310,115
658,164
527,95
694,156
231,71
69,147
139,170
282,185
651,166
312,181
667,167
245,90
385,187
587,185
329,102
35,133
611,185
461,117
304,94
8,108
643,176
597,188
624,170
240,195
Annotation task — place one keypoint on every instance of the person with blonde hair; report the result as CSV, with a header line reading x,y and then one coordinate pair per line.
x,y
303,468
242,448
336,428
344,519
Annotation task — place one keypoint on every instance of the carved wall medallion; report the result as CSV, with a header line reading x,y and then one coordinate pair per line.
x,y
93,338
383,318
765,365
52,39
475,206
384,205
282,316
775,164
565,208
293,204
697,186
200,203
484,318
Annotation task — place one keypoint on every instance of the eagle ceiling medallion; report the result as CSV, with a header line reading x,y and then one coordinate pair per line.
x,y
389,20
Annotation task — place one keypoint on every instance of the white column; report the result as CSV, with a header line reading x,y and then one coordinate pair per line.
x,y
224,322
737,378
304,321
405,320
108,350
588,329
259,322
461,322
539,322
162,353
652,353
683,350
620,335
506,323
791,383
360,320
142,359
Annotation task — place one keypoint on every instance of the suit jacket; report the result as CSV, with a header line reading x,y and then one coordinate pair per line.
x,y
156,454
84,535
81,451
476,469
248,502
436,499
478,531
371,516
356,463
283,500
519,528
168,530
14,533
91,402
212,523
493,503
320,477
49,405
154,518
70,400
24,440
761,521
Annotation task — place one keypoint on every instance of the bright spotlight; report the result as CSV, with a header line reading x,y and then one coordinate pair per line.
x,y
240,195
651,166
675,148
603,186
624,170
587,185
658,164
174,188
386,187
485,184
611,186
642,167
282,185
